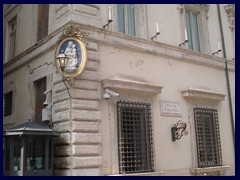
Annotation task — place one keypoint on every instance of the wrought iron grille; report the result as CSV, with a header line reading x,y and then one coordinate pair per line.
x,y
207,137
135,137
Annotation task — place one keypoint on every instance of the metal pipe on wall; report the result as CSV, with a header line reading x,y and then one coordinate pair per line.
x,y
227,75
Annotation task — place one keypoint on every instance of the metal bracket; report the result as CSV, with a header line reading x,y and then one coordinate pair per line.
x,y
179,130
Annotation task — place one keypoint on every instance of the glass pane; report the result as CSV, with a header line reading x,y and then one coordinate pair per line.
x,y
120,18
17,153
35,153
196,34
12,37
189,33
131,19
50,153
7,154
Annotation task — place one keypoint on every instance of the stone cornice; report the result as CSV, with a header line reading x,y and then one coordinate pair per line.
x,y
197,94
132,86
119,40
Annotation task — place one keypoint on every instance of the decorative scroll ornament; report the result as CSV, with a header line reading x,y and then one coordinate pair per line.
x,y
230,10
71,53
179,130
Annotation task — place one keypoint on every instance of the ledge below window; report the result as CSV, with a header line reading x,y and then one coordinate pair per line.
x,y
132,86
140,174
216,170
202,95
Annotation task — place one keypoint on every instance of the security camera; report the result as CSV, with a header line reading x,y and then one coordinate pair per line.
x,y
111,93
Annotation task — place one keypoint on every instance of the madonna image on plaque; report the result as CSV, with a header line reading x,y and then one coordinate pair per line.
x,y
75,50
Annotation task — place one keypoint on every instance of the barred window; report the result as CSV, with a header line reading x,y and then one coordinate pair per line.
x,y
8,103
135,137
207,137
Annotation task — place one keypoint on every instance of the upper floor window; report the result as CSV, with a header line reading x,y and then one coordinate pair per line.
x,y
12,26
43,15
126,19
40,88
207,137
192,23
135,137
194,18
8,97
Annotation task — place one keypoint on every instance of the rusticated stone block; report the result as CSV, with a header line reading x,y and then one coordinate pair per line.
x,y
86,115
86,172
62,151
62,106
94,56
92,46
64,138
87,85
61,116
78,138
85,126
92,161
88,150
85,94
62,126
62,162
61,96
85,104
90,75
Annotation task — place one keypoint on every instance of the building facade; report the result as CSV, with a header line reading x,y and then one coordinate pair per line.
x,y
152,68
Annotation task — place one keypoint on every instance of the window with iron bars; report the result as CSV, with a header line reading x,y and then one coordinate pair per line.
x,y
207,137
135,137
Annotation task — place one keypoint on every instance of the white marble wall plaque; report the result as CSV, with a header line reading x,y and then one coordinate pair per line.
x,y
170,108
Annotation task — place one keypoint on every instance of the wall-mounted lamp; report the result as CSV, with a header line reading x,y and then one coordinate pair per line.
x,y
186,38
109,17
179,130
62,60
157,32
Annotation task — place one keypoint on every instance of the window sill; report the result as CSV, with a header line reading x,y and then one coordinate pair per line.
x,y
206,170
140,174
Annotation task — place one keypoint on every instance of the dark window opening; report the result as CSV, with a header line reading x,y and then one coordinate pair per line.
x,y
8,103
43,15
40,88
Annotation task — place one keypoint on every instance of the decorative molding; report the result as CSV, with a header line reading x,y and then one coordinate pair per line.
x,y
202,94
230,10
119,40
130,85
158,173
208,169
180,8
73,30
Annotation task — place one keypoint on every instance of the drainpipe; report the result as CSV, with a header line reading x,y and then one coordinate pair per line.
x,y
227,76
